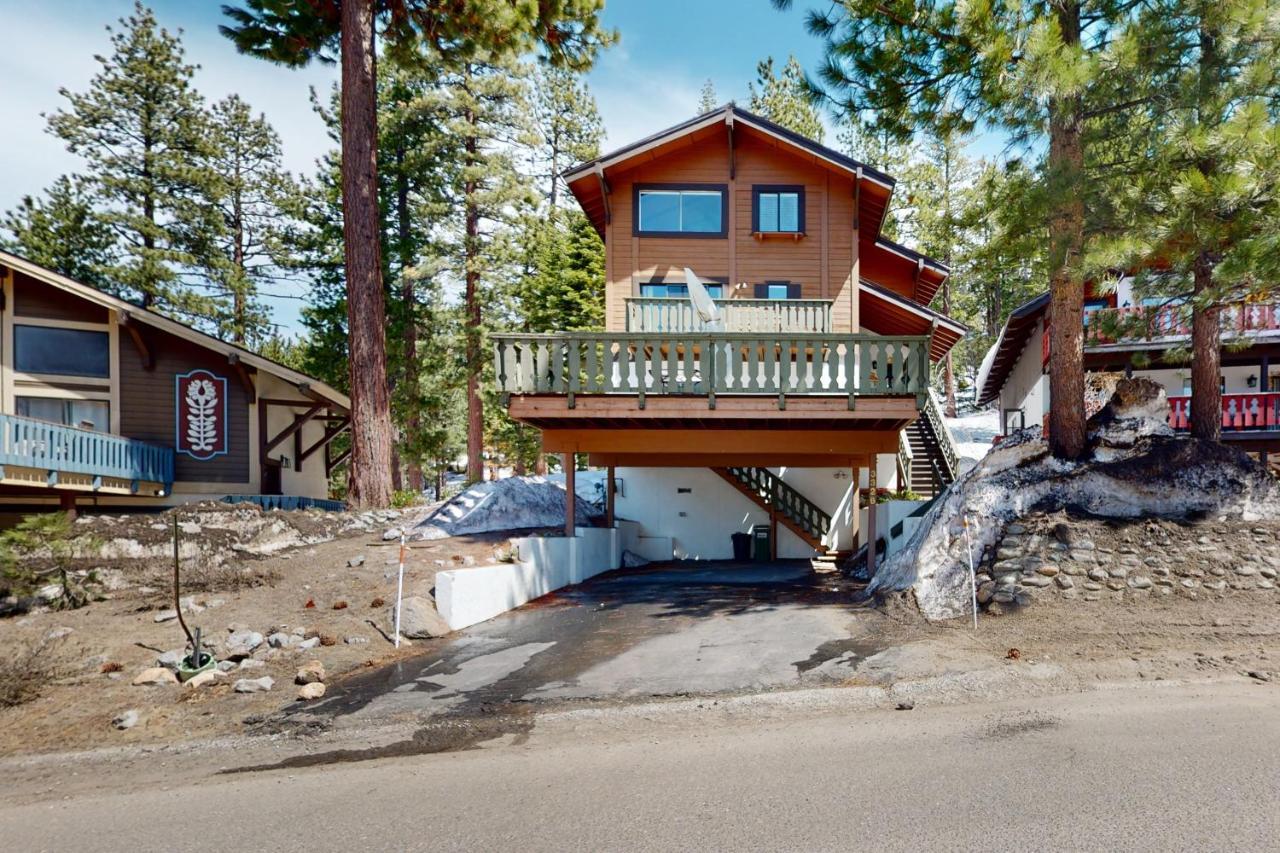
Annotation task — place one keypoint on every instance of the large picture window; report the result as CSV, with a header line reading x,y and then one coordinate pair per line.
x,y
61,352
682,211
778,209
85,414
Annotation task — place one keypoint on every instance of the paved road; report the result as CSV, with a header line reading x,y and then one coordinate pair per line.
x,y
701,628
1171,769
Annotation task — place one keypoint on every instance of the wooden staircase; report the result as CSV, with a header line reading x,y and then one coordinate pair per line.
x,y
791,509
933,465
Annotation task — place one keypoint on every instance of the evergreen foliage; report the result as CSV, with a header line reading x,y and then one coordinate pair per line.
x,y
785,98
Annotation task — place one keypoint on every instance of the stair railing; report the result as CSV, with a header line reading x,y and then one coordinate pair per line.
x,y
904,460
950,468
784,499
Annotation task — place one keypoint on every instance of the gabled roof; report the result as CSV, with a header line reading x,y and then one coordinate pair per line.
x,y
887,313
1005,351
173,327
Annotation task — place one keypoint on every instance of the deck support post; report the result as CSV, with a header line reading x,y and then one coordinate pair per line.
x,y
609,489
67,503
570,495
1264,381
871,518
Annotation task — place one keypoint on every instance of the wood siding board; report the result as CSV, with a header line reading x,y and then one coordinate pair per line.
x,y
147,406
32,298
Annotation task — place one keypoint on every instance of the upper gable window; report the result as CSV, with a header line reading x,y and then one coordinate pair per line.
x,y
777,209
62,352
693,210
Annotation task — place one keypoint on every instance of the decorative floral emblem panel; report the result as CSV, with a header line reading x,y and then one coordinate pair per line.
x,y
201,406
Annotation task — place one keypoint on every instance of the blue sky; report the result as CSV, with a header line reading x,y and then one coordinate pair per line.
x,y
649,80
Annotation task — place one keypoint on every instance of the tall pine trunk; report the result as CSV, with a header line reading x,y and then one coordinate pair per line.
x,y
475,406
1066,243
1206,357
948,367
408,297
1206,332
369,471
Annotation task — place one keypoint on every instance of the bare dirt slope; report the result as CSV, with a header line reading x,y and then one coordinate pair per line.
x,y
337,589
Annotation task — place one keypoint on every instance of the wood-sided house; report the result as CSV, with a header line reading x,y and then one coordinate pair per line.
x,y
818,380
103,402
1143,336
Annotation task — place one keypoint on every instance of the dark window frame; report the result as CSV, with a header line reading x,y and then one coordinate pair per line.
x,y
794,290
20,330
723,189
757,189
639,283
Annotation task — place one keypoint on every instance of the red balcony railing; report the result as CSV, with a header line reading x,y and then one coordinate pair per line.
x,y
1112,325
1240,412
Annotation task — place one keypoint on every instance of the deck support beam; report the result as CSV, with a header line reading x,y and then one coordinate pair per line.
x,y
570,495
609,489
871,519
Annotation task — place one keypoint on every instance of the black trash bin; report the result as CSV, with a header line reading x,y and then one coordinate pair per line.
x,y
741,547
761,546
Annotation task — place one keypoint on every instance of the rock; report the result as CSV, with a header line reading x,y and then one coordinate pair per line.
x,y
1062,532
393,533
1092,586
1264,584
189,527
1015,529
50,593
1115,585
356,641
1048,571
126,720
1072,569
1002,597
1140,583
255,685
245,639
1064,582
1120,572
1092,596
1260,675
1190,583
1216,586
166,615
200,679
226,665
1246,570
171,659
1037,581
306,645
994,609
1099,575
631,560
189,605
1268,573
418,619
250,663
356,561
59,633
311,672
156,675
313,690
985,591
281,640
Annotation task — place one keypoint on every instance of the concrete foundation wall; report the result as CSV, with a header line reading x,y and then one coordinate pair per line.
x,y
467,596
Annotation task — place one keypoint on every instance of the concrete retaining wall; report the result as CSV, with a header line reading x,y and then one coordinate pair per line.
x,y
467,596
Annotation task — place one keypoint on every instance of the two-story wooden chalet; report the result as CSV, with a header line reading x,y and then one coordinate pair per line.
x,y
1144,336
822,367
103,402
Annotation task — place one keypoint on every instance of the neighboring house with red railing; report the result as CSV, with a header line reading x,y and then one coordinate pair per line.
x,y
103,402
809,377
1143,340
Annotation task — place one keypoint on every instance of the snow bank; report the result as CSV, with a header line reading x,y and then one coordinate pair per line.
x,y
1137,468
972,435
514,503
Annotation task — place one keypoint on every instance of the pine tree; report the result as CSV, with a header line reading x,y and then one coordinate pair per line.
x,y
142,130
1209,185
61,232
879,149
707,97
296,32
1039,72
784,99
568,125
254,195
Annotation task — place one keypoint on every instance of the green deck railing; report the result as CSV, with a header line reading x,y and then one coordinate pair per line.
x,y
708,364
29,443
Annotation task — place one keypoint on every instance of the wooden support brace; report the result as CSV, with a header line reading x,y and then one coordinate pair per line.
x,y
329,435
298,422
139,342
242,374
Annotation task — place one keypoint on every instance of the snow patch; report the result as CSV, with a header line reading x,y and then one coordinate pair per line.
x,y
514,503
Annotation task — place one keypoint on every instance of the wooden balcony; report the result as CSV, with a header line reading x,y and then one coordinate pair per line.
x,y
1241,413
38,454
711,364
665,315
1110,326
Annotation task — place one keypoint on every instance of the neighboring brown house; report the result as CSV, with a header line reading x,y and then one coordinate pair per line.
x,y
102,400
814,378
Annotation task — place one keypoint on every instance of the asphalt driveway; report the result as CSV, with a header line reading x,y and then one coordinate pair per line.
x,y
676,630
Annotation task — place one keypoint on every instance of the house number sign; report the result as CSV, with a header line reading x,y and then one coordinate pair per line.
x,y
201,407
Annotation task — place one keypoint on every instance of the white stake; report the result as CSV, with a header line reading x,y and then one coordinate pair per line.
x,y
399,589
973,576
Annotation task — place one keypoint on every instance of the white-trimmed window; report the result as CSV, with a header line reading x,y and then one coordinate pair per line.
x,y
85,414
675,210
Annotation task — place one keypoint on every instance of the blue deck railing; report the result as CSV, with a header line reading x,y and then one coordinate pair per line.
x,y
37,444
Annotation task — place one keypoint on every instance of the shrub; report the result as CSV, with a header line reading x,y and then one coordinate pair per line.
x,y
404,497
27,670
39,551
